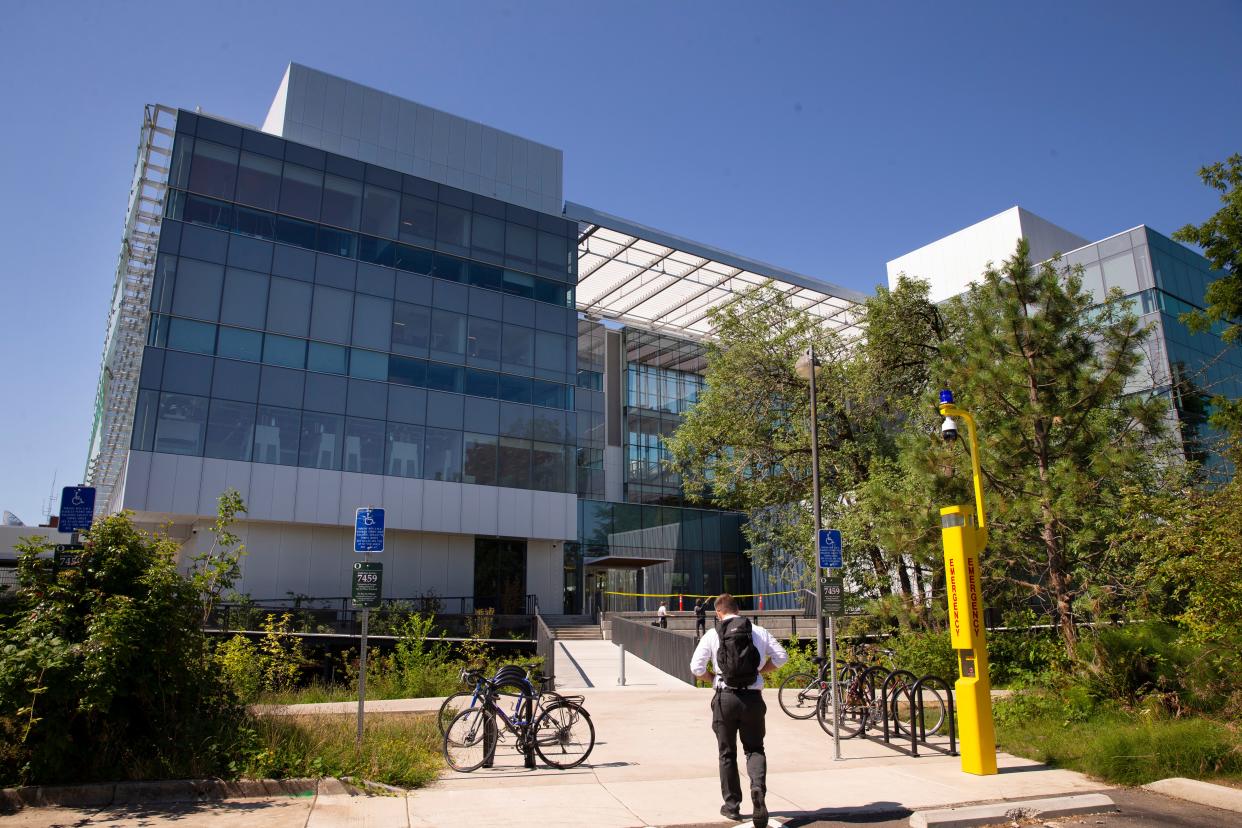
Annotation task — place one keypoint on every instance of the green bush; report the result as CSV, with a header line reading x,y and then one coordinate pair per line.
x,y
104,671
1025,657
924,652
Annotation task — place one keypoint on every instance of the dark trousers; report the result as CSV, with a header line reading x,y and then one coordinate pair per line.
x,y
700,627
663,619
741,712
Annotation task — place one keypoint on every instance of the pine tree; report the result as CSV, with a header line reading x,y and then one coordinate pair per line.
x,y
1045,373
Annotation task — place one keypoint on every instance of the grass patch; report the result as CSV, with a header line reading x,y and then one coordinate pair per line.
x,y
379,686
1115,745
397,749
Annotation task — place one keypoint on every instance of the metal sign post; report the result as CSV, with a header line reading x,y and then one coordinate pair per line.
x,y
367,588
830,559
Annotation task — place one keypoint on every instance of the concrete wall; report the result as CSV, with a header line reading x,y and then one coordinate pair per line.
x,y
340,116
952,263
180,486
10,535
284,558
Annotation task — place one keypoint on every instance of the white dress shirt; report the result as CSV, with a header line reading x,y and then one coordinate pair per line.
x,y
661,611
770,650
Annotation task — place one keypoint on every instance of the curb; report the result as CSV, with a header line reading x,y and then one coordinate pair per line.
x,y
175,790
1201,793
1005,811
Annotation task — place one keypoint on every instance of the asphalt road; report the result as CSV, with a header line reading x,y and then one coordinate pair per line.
x,y
1137,809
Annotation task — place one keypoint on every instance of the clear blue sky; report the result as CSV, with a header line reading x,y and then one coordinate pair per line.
x,y
824,137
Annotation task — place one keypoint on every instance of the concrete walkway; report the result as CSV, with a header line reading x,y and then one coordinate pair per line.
x,y
654,764
596,665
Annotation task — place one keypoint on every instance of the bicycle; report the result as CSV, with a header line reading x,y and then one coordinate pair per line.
x,y
862,704
799,693
507,676
562,735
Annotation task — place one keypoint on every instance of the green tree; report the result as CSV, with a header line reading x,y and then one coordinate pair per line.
x,y
1220,237
216,570
746,444
1045,373
104,671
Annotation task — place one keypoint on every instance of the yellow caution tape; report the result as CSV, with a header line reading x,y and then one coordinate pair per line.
x,y
692,595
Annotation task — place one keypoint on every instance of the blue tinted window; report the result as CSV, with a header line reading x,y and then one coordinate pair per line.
x,y
213,171
258,181
300,191
284,350
368,365
240,344
292,231
444,377
377,251
325,393
182,424
230,430
198,288
403,454
255,223
414,260
481,383
337,242
184,335
276,435
342,202
514,389
364,446
442,455
320,445
327,359
407,371
479,463
548,394
448,267
208,213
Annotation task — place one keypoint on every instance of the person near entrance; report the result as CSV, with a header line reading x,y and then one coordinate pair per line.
x,y
739,654
662,615
700,618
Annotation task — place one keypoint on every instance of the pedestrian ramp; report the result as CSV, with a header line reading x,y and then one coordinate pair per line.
x,y
596,665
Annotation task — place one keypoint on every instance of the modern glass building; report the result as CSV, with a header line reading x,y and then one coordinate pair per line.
x,y
1162,278
368,302
1165,280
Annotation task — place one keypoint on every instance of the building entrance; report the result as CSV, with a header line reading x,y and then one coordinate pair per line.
x,y
500,575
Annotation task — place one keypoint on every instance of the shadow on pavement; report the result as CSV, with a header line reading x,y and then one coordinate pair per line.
x,y
870,813
163,813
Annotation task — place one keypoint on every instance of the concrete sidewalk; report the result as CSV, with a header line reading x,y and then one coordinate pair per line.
x,y
596,665
654,764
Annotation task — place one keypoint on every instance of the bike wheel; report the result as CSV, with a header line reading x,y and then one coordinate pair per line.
x,y
901,709
935,711
850,714
451,706
466,739
799,695
564,736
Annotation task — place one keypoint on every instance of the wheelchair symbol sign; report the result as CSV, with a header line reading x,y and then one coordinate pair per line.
x,y
77,508
369,530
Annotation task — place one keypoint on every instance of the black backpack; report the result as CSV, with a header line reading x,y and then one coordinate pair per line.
x,y
737,659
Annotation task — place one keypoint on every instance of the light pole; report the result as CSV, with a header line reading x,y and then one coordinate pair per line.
x,y
964,536
806,368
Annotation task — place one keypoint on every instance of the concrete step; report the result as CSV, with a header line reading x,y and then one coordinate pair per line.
x,y
578,634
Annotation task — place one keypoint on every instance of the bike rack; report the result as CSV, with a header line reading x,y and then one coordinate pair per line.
x,y
912,690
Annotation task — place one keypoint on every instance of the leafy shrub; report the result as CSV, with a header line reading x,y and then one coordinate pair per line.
x,y
280,654
105,673
1025,657
237,659
924,652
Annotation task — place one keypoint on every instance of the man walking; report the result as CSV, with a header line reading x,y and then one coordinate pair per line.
x,y
739,653
700,618
662,615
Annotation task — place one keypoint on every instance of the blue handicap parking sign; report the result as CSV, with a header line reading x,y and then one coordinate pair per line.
x,y
369,530
77,508
830,549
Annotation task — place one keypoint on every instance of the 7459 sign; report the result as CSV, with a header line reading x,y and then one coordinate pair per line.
x,y
368,583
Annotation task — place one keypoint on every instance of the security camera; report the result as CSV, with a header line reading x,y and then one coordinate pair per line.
x,y
948,430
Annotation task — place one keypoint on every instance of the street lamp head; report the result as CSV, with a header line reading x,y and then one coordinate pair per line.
x,y
804,364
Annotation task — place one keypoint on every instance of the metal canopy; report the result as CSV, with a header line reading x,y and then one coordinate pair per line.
x,y
642,276
624,562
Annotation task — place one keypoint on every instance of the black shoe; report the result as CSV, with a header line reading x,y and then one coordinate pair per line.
x,y
732,813
760,817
